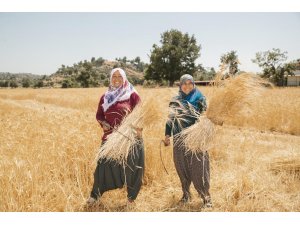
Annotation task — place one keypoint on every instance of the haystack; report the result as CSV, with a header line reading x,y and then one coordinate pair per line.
x,y
234,96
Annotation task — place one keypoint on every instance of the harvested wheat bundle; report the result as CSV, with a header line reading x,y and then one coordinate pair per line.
x,y
178,114
120,143
234,96
199,137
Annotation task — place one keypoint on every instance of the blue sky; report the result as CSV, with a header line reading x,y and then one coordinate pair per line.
x,y
40,42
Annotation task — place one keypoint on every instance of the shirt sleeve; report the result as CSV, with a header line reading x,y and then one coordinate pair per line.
x,y
134,99
168,130
202,104
170,121
100,113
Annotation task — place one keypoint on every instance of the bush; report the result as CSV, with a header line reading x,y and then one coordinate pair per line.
x,y
26,83
106,83
13,84
39,84
67,84
4,83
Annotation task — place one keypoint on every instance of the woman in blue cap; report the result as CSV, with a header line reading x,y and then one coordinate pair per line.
x,y
190,167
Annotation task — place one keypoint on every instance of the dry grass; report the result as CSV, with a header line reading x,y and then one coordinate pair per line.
x,y
289,166
49,139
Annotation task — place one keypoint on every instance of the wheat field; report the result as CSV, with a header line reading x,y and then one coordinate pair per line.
x,y
49,139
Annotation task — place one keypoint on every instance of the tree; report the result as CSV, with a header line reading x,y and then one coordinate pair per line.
x,y
211,73
13,84
137,59
202,73
106,83
298,64
295,64
83,78
99,61
26,82
39,84
272,63
66,83
230,59
4,83
138,64
175,57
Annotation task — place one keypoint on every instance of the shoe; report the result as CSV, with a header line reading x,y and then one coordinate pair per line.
x,y
130,201
185,198
130,205
207,203
91,201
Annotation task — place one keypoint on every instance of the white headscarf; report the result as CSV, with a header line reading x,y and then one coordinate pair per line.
x,y
113,95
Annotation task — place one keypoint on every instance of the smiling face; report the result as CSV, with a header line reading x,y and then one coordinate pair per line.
x,y
187,87
116,79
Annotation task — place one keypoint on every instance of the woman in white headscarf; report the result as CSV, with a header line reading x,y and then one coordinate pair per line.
x,y
119,100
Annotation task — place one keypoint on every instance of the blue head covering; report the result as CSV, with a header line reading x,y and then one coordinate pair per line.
x,y
194,97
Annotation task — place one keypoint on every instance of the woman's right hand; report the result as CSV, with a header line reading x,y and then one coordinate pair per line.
x,y
105,125
167,140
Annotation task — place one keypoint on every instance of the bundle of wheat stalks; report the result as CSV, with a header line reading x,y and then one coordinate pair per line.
x,y
229,98
199,137
120,143
234,96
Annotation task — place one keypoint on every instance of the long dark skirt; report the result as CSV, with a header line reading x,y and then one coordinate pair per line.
x,y
192,168
110,175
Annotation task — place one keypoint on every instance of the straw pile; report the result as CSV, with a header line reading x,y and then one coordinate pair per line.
x,y
234,96
121,142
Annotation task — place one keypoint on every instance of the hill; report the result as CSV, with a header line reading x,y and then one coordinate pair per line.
x,y
93,73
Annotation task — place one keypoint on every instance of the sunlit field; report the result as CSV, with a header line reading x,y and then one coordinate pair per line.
x,y
49,139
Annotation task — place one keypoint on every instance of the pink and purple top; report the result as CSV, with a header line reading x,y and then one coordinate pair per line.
x,y
115,104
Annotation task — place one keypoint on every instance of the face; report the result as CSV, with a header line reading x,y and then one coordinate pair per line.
x,y
117,79
187,87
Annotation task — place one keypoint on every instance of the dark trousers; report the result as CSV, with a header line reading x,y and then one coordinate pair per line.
x,y
192,168
110,175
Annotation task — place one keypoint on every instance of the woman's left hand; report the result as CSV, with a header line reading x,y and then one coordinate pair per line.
x,y
139,131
